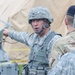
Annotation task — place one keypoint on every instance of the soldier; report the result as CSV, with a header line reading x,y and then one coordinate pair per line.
x,y
40,42
62,57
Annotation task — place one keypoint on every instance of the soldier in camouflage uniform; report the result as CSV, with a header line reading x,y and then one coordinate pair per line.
x,y
62,57
39,42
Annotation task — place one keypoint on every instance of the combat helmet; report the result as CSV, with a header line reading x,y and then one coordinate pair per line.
x,y
40,13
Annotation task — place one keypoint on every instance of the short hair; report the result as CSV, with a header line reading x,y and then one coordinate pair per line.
x,y
70,20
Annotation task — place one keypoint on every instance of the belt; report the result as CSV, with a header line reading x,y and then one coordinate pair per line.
x,y
38,71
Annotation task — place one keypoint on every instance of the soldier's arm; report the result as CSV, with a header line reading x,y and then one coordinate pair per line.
x,y
55,54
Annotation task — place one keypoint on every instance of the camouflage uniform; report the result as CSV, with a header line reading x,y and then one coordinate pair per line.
x,y
34,41
60,47
65,66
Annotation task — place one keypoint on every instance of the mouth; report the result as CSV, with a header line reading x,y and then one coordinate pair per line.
x,y
36,29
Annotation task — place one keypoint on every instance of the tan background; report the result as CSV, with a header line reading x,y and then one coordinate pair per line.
x,y
16,13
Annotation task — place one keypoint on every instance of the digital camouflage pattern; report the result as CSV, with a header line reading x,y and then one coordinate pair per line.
x,y
65,66
40,13
35,43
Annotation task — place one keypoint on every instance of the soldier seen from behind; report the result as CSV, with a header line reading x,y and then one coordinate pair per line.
x,y
62,57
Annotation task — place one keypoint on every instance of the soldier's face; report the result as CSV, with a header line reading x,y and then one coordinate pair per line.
x,y
37,25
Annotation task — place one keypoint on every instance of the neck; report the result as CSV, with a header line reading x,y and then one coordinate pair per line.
x,y
44,32
70,29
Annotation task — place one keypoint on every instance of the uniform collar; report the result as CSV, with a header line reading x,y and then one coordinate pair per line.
x,y
71,32
40,40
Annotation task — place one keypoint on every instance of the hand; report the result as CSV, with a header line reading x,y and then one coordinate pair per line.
x,y
5,32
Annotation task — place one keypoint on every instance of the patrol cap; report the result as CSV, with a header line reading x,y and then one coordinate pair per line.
x,y
40,13
71,11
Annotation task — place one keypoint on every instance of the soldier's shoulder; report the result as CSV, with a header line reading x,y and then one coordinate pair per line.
x,y
60,41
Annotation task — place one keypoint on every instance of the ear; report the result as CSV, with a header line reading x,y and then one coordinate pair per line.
x,y
66,22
